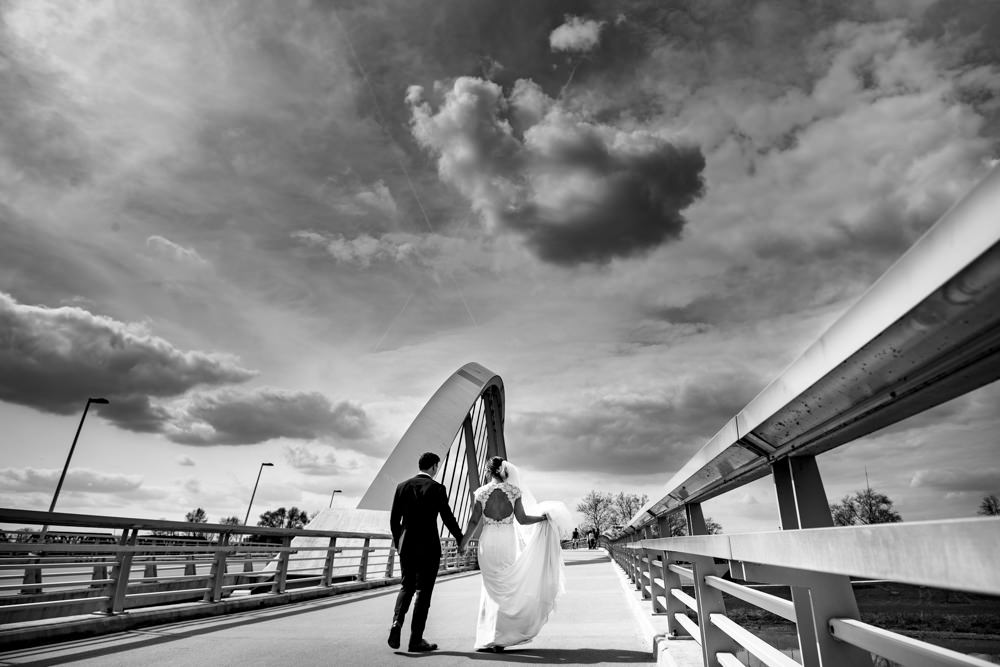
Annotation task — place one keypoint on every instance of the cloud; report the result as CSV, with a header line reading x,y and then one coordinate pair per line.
x,y
52,359
578,191
174,252
363,249
30,480
634,435
576,34
379,199
247,416
308,461
185,461
984,480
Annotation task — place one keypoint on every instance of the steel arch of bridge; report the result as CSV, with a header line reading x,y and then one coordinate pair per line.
x,y
463,424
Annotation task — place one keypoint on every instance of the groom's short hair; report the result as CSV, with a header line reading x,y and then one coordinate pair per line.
x,y
428,460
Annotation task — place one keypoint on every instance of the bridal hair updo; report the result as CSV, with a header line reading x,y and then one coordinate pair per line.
x,y
496,468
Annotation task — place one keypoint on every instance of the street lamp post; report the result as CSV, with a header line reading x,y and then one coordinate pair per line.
x,y
259,471
95,401
335,492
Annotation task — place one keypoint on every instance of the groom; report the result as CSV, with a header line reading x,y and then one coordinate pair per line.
x,y
413,521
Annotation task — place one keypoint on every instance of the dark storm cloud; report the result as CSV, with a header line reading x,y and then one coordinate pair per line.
x,y
53,358
577,191
632,436
239,417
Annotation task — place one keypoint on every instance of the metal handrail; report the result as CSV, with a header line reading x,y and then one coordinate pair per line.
x,y
927,331
128,574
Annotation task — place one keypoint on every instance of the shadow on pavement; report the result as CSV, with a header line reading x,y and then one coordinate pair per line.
x,y
548,656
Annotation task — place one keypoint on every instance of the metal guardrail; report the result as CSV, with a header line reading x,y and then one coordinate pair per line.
x,y
77,573
924,333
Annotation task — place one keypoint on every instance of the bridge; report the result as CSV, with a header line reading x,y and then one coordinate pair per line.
x,y
926,332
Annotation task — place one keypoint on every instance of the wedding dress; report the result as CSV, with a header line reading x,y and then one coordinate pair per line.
x,y
521,566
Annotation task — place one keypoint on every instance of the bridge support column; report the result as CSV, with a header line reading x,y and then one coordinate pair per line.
x,y
710,601
802,503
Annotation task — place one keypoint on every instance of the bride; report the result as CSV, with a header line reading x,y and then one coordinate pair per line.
x,y
521,564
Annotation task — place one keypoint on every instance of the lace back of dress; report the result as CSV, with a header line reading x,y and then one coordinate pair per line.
x,y
498,504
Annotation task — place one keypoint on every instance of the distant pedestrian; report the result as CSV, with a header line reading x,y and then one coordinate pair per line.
x,y
576,538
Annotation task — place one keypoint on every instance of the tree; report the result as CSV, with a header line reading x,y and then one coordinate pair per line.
x,y
677,526
597,509
990,506
196,516
231,521
865,507
625,505
282,518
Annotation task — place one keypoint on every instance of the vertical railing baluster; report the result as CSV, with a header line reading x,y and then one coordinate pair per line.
x,y
710,601
363,566
281,570
656,590
391,562
218,573
671,581
331,553
802,503
31,583
122,569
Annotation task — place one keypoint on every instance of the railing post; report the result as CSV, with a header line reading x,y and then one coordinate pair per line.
x,y
100,573
656,572
331,553
713,640
122,569
218,573
363,566
150,570
190,568
281,570
390,562
802,503
645,573
32,576
672,580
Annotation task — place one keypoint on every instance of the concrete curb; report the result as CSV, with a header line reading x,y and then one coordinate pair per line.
x,y
38,633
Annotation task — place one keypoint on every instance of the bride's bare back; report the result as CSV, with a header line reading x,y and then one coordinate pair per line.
x,y
498,506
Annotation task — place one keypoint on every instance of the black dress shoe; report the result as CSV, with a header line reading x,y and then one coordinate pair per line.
x,y
394,636
422,646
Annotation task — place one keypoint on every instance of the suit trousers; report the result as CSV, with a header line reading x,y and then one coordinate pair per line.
x,y
419,575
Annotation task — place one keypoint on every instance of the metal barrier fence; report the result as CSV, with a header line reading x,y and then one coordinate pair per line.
x,y
926,332
117,564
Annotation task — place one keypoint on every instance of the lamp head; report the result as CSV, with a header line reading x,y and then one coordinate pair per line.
x,y
98,401
267,464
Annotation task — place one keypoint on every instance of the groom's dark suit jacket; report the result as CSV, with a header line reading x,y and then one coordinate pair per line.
x,y
413,520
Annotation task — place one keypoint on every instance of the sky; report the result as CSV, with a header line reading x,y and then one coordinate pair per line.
x,y
268,231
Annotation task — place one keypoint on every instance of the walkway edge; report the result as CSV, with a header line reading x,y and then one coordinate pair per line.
x,y
659,643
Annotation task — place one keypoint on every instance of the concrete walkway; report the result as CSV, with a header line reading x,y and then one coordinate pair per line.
x,y
596,623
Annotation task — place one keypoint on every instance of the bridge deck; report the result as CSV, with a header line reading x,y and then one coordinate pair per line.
x,y
596,623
